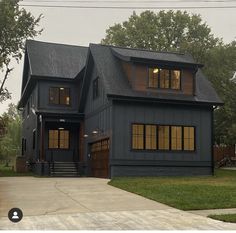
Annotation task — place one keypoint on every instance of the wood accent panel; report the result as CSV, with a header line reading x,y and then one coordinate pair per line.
x,y
99,164
127,67
187,82
141,78
139,81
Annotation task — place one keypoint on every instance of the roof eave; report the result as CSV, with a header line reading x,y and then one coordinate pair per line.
x,y
162,100
164,62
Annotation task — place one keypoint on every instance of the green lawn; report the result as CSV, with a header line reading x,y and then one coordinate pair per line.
x,y
185,193
224,217
8,171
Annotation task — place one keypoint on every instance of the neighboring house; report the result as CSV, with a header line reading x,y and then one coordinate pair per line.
x,y
111,111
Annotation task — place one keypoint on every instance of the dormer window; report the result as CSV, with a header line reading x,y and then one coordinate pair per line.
x,y
164,78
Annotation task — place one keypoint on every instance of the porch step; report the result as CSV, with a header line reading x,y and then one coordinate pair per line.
x,y
64,169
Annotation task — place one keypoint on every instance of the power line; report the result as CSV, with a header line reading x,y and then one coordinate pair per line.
x,y
130,1
129,7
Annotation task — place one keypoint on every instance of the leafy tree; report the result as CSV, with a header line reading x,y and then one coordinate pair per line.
x,y
181,32
16,25
165,30
220,68
10,144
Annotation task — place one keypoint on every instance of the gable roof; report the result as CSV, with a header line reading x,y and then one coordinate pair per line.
x,y
55,60
116,84
51,61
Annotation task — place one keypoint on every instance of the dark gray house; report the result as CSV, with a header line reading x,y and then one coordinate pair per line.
x,y
107,111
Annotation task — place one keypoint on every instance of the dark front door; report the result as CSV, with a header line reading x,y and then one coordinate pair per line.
x,y
100,159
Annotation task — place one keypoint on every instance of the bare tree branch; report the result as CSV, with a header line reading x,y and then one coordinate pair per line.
x,y
8,71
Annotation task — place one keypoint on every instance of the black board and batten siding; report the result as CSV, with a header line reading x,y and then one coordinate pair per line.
x,y
98,116
127,162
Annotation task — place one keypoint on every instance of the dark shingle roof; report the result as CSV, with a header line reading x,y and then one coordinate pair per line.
x,y
129,54
115,82
55,60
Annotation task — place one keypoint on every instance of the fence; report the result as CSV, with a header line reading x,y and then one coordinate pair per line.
x,y
222,151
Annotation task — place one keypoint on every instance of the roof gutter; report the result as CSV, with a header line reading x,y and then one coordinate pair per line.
x,y
153,100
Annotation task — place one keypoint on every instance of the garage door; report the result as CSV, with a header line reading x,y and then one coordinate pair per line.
x,y
100,159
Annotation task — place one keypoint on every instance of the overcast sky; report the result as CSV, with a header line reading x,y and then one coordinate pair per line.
x,y
84,26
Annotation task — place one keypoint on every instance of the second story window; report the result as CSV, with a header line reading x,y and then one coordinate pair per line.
x,y
95,88
59,95
164,78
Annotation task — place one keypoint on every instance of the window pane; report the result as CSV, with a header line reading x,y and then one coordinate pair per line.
x,y
164,78
176,137
105,145
175,79
151,137
64,96
189,138
95,88
163,138
54,95
53,139
153,77
137,136
64,139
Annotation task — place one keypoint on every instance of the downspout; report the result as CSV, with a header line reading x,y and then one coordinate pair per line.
x,y
41,138
212,141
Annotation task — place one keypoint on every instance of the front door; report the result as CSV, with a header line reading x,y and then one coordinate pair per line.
x,y
100,159
60,145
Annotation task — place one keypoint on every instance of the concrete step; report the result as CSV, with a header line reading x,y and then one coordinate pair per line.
x,y
63,169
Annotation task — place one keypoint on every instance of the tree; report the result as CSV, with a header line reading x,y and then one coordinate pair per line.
x,y
178,31
220,68
10,144
16,25
165,30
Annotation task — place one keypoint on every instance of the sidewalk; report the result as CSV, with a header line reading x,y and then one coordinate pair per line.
x,y
213,211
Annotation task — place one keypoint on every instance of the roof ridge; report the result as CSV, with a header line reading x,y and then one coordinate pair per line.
x,y
141,49
52,43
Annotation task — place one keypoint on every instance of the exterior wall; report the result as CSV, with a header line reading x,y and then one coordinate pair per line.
x,y
29,124
138,77
127,162
39,100
98,114
63,155
43,93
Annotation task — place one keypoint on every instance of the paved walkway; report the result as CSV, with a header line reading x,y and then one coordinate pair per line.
x,y
213,211
89,203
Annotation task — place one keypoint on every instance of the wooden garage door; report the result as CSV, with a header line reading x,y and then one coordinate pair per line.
x,y
100,159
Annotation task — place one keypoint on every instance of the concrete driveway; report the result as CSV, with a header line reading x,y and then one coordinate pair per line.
x,y
89,203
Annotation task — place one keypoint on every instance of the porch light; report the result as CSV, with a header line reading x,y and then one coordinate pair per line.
x,y
94,131
62,88
60,128
85,135
155,70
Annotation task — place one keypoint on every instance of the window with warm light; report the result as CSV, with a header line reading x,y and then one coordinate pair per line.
x,y
138,136
176,138
150,137
163,137
59,95
153,77
58,139
164,78
189,138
